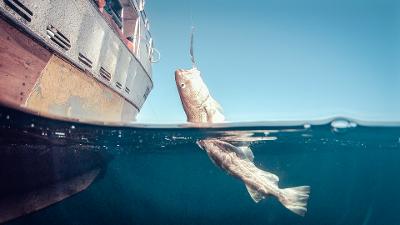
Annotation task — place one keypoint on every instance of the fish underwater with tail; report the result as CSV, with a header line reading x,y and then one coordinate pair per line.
x,y
201,108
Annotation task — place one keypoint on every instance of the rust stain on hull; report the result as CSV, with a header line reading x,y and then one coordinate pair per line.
x,y
66,91
21,62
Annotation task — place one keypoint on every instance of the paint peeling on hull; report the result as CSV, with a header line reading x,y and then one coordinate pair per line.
x,y
63,90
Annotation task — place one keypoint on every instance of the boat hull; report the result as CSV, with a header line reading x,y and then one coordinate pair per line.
x,y
68,59
35,79
44,161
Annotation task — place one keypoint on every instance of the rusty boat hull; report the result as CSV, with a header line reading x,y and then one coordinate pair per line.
x,y
82,69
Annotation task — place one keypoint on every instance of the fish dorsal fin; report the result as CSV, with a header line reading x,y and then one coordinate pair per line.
x,y
255,195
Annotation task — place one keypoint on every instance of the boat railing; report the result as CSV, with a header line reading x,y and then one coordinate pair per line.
x,y
129,20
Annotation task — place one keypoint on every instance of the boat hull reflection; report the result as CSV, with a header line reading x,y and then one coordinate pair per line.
x,y
34,177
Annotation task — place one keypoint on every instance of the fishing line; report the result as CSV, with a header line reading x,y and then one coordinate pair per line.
x,y
194,66
191,51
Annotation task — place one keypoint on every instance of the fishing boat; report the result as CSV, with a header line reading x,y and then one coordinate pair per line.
x,y
81,60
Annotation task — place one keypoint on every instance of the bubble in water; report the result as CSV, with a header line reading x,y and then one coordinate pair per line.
x,y
307,125
8,117
32,125
72,127
341,124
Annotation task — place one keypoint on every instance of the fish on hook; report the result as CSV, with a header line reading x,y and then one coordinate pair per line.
x,y
201,107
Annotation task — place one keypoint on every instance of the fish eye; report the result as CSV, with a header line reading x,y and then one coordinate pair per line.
x,y
183,85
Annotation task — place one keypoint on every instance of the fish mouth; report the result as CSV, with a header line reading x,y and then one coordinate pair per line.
x,y
182,72
182,75
179,74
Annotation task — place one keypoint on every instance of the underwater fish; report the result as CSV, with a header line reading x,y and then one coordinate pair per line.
x,y
200,107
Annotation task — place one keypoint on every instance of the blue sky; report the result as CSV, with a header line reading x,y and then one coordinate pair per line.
x,y
280,59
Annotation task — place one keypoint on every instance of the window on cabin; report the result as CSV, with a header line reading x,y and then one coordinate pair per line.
x,y
114,8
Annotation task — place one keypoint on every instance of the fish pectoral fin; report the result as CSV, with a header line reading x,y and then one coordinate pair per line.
x,y
255,195
199,143
214,116
247,152
214,111
216,105
231,148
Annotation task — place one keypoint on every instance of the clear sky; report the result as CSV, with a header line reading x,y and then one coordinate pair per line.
x,y
280,59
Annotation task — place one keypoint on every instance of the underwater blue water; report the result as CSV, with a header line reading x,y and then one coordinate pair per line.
x,y
158,175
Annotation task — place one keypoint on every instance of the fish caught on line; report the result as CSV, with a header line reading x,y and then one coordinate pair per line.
x,y
200,107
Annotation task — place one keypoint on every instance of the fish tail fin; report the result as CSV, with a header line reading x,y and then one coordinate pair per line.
x,y
295,199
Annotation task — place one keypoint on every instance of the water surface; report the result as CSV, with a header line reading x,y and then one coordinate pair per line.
x,y
158,175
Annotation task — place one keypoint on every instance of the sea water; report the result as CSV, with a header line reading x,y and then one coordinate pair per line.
x,y
158,175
